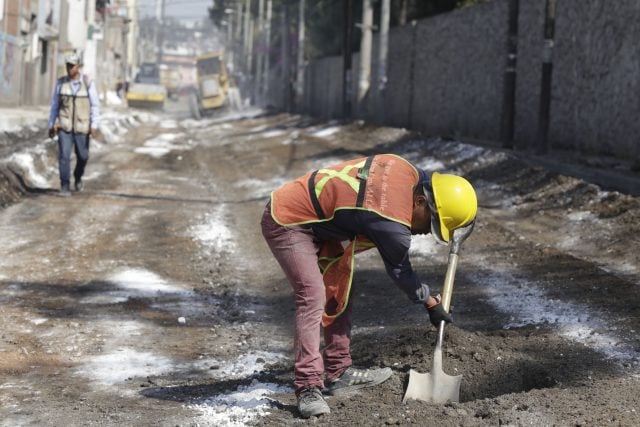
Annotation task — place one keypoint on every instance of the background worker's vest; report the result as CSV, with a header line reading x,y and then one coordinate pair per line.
x,y
383,184
75,110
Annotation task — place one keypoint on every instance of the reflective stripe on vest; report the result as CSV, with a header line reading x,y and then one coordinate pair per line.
x,y
358,184
343,174
337,275
383,184
315,197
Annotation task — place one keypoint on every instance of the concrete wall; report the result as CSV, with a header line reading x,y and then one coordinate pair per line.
x,y
459,70
27,62
324,87
529,72
446,76
399,89
10,70
596,77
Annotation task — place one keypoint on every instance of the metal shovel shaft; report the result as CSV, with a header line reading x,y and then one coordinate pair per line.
x,y
448,281
438,387
436,363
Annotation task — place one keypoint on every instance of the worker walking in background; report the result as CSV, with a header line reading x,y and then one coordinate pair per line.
x,y
75,110
316,224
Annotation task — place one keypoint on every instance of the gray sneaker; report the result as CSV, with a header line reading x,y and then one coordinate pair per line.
x,y
311,403
64,191
354,379
79,185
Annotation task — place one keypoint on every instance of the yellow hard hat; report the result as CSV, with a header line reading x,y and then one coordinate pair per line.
x,y
454,204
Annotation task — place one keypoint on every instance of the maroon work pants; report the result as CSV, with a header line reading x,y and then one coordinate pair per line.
x,y
296,249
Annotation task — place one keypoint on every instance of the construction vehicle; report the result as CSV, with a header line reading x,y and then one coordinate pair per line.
x,y
212,87
170,79
146,91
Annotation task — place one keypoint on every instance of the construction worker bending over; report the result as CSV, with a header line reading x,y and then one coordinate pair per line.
x,y
378,201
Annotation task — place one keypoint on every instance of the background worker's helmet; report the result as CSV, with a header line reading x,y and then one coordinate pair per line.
x,y
73,59
453,204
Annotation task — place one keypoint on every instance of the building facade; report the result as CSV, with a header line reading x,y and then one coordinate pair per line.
x,y
35,35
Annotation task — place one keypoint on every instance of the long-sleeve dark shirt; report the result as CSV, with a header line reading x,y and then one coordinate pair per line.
x,y
392,239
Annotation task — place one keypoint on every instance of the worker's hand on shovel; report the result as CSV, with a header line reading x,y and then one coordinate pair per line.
x,y
436,311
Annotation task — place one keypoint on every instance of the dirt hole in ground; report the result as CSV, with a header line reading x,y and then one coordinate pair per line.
x,y
492,363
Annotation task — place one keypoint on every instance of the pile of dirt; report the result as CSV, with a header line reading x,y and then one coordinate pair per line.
x,y
12,182
28,158
11,189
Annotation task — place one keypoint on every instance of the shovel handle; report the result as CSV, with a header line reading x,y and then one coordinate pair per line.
x,y
448,281
459,236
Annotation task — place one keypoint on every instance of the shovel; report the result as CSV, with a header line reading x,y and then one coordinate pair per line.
x,y
438,387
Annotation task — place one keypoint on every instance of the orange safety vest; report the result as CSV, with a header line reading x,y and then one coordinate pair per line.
x,y
383,184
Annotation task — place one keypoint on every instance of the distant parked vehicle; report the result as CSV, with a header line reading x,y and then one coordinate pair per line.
x,y
146,91
212,87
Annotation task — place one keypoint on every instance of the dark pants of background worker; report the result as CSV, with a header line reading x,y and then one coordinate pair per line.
x,y
80,143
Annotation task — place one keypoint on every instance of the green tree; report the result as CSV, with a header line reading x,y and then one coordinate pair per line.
x,y
217,11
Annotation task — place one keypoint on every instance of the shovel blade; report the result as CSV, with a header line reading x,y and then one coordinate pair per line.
x,y
434,387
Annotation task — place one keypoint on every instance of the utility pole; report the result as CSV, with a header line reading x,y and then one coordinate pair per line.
x,y
346,58
251,48
245,28
239,20
257,89
412,72
385,12
229,51
4,15
365,50
300,61
545,86
125,57
286,79
156,28
402,19
509,94
90,52
160,30
267,59
237,53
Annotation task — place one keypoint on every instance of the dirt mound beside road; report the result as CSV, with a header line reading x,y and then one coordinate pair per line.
x,y
28,158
